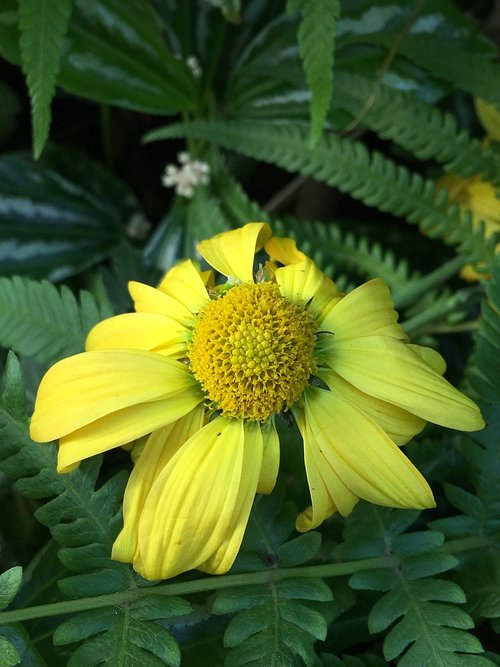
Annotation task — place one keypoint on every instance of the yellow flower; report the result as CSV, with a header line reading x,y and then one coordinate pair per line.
x,y
480,197
204,369
489,116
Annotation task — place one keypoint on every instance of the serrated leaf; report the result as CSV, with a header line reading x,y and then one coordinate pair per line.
x,y
41,321
316,37
10,582
299,550
43,25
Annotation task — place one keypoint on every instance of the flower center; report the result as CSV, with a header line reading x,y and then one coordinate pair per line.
x,y
252,351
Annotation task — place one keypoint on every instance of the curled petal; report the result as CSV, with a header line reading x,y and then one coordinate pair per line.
x,y
232,253
284,250
271,458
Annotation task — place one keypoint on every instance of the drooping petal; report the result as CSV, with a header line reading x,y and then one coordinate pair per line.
x,y
366,311
430,356
284,250
190,508
299,282
143,331
328,491
388,369
184,284
271,458
232,253
400,425
161,445
362,454
222,559
124,426
80,389
151,300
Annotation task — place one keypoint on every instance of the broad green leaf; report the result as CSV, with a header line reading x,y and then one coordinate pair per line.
x,y
28,655
317,44
43,25
10,581
55,222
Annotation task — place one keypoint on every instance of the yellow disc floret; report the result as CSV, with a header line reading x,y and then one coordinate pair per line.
x,y
252,351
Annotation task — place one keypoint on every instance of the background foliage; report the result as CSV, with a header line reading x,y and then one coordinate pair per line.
x,y
332,119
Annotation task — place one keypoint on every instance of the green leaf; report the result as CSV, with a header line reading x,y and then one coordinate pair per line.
x,y
10,582
28,655
423,130
41,321
349,166
55,222
8,654
43,25
317,44
114,52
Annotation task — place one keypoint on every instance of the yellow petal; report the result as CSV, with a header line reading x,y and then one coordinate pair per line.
x,y
430,357
190,507
224,556
159,449
151,300
284,250
143,331
184,284
299,282
400,425
388,369
80,389
362,454
232,253
271,460
366,311
124,426
489,116
328,491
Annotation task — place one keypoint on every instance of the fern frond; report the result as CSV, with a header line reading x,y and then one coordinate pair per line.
x,y
84,521
422,130
274,624
43,26
349,166
316,35
42,321
426,627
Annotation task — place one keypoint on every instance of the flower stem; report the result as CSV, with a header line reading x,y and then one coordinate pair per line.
x,y
227,581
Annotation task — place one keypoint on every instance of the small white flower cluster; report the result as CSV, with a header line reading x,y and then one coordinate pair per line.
x,y
192,63
185,178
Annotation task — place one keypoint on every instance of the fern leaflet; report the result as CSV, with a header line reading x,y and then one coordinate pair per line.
x,y
422,130
349,166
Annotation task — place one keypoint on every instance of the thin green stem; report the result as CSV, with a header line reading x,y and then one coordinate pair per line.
x,y
226,581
